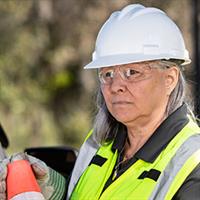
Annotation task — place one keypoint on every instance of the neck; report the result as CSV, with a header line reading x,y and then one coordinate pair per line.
x,y
139,133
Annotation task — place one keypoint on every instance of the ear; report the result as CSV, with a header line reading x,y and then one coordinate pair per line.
x,y
171,79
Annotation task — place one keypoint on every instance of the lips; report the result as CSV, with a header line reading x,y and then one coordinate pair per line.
x,y
121,102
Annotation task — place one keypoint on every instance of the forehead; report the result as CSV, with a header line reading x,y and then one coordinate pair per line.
x,y
132,65
138,64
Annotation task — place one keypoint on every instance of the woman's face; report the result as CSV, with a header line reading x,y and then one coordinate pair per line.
x,y
137,92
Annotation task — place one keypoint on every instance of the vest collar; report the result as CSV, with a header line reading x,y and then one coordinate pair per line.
x,y
159,139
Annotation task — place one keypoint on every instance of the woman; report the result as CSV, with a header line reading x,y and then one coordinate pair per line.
x,y
144,144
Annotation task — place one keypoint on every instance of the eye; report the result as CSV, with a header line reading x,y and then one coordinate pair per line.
x,y
108,74
132,72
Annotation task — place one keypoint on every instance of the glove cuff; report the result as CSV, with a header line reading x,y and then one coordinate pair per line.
x,y
58,182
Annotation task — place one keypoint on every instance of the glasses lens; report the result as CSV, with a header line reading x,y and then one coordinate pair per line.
x,y
106,76
136,73
133,74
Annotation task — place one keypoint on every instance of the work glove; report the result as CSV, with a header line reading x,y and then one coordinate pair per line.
x,y
52,184
3,174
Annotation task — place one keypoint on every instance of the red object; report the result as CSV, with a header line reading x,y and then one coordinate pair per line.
x,y
20,179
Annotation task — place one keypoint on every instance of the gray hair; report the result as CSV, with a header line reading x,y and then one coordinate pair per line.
x,y
106,126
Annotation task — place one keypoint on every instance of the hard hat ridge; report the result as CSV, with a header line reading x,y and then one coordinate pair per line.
x,y
134,10
130,10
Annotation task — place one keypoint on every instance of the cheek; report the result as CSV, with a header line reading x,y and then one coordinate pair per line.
x,y
141,90
149,92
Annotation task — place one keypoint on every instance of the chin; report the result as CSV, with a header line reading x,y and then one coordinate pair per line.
x,y
124,119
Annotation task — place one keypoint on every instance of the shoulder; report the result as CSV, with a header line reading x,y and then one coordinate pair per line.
x,y
191,186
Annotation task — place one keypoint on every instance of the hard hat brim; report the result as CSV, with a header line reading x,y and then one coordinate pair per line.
x,y
113,60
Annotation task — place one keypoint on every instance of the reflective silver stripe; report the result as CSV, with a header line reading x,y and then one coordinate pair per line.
x,y
86,153
190,146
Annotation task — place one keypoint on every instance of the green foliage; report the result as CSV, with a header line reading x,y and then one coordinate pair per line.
x,y
40,86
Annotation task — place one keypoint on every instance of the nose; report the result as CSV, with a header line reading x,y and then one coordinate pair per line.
x,y
118,85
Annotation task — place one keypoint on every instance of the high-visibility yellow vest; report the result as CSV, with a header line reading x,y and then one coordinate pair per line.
x,y
175,163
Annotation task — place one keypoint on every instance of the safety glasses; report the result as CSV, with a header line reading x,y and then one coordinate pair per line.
x,y
129,73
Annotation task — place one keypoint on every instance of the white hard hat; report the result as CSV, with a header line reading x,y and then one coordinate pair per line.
x,y
137,34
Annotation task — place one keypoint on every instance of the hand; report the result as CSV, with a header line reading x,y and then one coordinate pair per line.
x,y
52,184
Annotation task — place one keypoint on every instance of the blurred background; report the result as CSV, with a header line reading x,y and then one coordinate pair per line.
x,y
46,98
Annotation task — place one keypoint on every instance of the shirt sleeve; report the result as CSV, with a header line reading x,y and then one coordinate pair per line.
x,y
191,187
